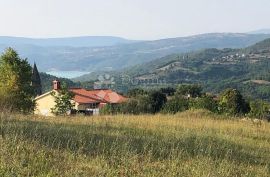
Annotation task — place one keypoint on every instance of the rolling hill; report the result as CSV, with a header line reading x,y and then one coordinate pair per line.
x,y
68,58
247,69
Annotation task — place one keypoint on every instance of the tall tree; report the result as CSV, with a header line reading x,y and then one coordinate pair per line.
x,y
36,82
15,82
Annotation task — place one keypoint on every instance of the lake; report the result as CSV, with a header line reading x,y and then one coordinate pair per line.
x,y
67,74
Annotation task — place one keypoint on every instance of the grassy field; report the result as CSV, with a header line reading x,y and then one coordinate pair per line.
x,y
193,143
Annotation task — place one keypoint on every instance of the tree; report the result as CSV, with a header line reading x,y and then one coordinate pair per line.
x,y
205,102
232,103
36,82
191,90
169,91
156,100
136,92
63,101
259,109
15,82
176,104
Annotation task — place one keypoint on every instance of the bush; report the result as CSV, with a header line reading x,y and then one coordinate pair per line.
x,y
176,104
259,109
232,103
142,103
110,109
191,90
206,102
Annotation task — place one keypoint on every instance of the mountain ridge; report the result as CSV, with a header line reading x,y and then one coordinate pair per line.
x,y
76,41
121,56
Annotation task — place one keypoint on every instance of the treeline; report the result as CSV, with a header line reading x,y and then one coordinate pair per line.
x,y
172,100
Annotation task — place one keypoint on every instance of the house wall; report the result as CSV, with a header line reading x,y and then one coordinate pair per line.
x,y
44,105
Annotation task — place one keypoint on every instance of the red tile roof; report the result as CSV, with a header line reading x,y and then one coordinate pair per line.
x,y
96,96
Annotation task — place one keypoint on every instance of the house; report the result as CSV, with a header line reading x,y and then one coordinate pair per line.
x,y
86,101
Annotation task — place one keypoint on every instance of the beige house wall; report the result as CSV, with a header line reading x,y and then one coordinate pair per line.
x,y
44,105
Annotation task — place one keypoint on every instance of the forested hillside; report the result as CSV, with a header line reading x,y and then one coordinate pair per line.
x,y
246,69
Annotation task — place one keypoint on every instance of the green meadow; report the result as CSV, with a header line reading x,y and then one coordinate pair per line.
x,y
192,143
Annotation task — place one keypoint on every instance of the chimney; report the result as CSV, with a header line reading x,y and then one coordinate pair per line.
x,y
56,85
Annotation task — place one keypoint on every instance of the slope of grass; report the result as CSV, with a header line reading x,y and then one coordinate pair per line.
x,y
192,143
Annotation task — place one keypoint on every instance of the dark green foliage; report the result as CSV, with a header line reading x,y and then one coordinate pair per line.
x,y
176,104
232,103
136,92
259,109
63,102
110,109
205,102
15,82
168,91
189,90
144,102
156,100
36,81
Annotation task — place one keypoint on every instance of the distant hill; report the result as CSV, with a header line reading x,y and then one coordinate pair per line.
x,y
247,69
120,56
83,41
261,31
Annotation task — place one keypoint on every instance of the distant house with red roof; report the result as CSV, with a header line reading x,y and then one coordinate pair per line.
x,y
86,101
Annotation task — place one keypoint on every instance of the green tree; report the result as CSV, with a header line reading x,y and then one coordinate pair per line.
x,y
188,89
176,104
259,109
15,82
205,102
63,101
232,103
169,91
136,92
156,100
36,82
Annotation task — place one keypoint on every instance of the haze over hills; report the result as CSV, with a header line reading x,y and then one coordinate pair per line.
x,y
82,41
260,31
66,58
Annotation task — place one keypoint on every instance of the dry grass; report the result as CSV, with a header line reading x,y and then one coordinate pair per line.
x,y
193,143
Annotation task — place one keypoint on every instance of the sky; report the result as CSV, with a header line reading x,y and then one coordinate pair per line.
x,y
132,19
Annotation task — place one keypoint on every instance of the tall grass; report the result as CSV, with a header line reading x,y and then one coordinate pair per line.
x,y
193,143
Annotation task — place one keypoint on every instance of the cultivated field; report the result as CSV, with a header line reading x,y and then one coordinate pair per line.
x,y
193,143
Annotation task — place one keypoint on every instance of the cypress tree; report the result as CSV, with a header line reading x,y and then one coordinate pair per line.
x,y
36,82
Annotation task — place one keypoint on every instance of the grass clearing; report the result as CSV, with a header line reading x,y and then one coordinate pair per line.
x,y
193,143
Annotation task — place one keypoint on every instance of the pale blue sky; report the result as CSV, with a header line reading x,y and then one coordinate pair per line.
x,y
134,19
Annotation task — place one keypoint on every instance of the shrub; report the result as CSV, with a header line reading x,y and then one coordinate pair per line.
x,y
191,90
206,102
232,103
175,104
259,109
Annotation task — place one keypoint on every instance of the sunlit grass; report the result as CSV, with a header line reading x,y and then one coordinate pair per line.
x,y
193,143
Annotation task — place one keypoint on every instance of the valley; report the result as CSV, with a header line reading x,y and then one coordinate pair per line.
x,y
215,69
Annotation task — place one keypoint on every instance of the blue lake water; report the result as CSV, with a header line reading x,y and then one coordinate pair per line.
x,y
67,74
